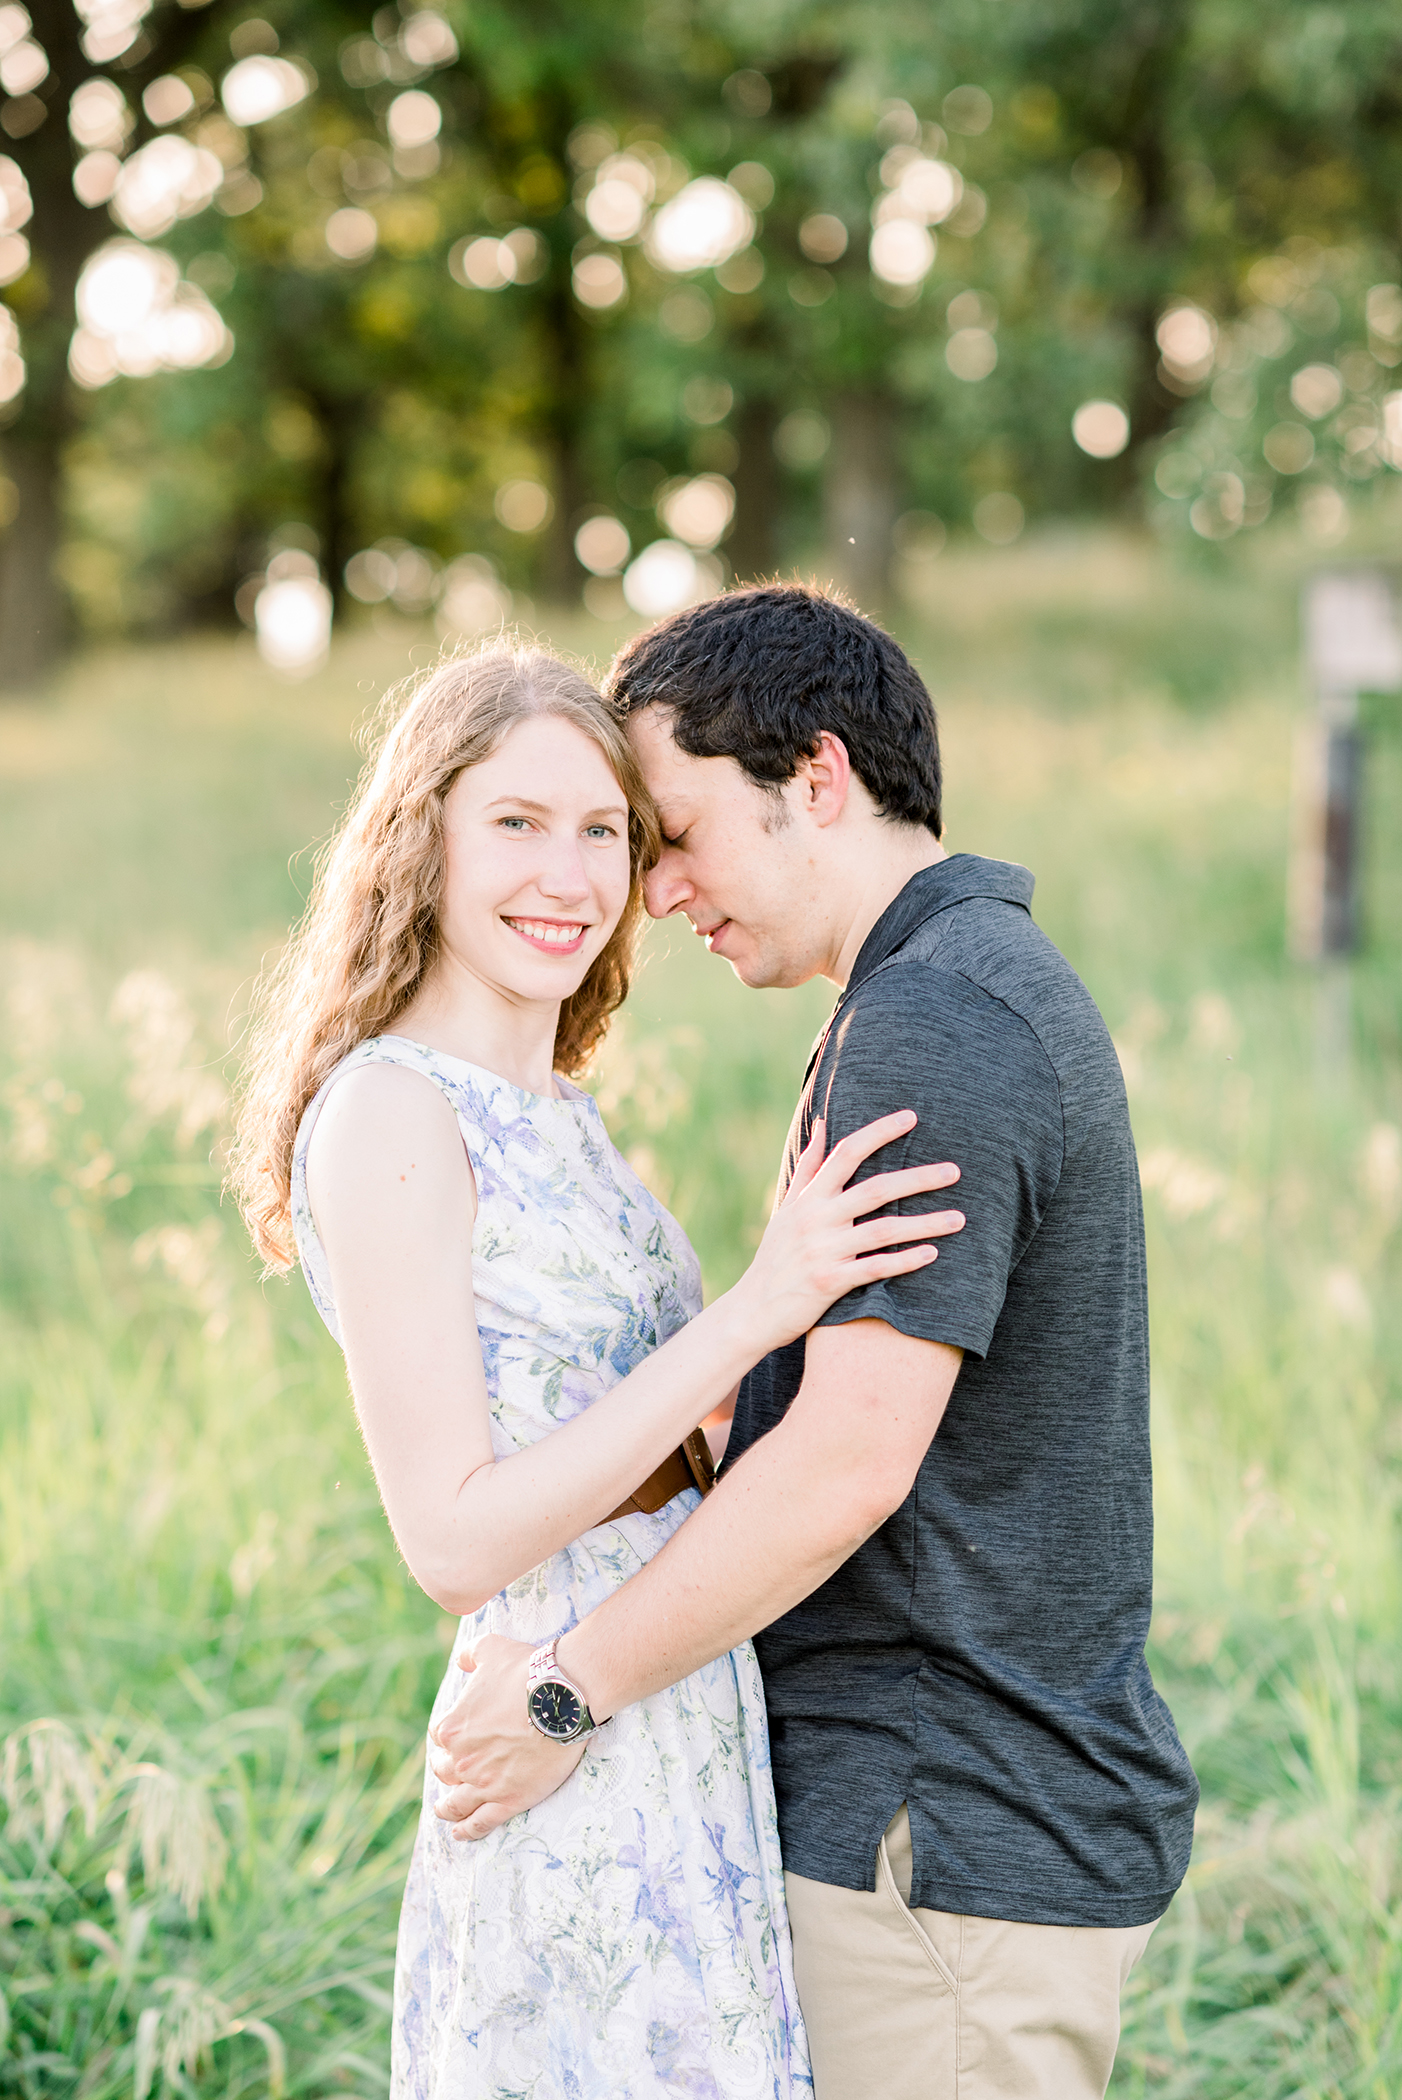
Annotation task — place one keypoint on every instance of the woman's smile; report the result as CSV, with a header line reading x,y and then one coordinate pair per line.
x,y
560,936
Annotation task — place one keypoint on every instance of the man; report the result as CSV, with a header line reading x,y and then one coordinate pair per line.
x,y
983,1804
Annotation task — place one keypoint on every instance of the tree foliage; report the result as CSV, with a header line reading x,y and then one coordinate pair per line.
x,y
1176,209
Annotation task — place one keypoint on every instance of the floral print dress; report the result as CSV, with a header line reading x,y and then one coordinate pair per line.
x,y
628,1936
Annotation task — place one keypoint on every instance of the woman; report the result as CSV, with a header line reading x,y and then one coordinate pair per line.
x,y
523,1330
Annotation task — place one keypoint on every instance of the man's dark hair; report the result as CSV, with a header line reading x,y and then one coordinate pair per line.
x,y
758,674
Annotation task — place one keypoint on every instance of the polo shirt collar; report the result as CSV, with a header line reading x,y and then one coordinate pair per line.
x,y
935,889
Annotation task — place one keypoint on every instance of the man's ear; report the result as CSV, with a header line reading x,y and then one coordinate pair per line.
x,y
826,779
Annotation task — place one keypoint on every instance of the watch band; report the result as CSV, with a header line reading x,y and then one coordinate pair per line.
x,y
542,1669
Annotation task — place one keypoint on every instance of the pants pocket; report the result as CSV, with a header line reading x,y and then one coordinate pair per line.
x,y
887,1886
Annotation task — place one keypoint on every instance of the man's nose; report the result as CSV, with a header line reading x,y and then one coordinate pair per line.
x,y
665,889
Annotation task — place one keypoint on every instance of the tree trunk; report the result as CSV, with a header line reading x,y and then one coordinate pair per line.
x,y
33,608
1145,138
34,613
860,500
753,547
568,357
338,419
33,604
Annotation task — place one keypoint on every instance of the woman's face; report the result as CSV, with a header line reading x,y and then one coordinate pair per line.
x,y
536,841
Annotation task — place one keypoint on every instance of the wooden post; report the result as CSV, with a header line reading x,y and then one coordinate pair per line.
x,y
1352,646
1324,917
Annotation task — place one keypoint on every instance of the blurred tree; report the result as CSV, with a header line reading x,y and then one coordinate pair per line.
x,y
108,107
478,298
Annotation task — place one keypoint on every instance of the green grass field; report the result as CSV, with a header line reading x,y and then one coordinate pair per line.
x,y
214,1673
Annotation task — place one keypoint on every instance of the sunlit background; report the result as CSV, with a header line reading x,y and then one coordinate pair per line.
x,y
624,303
1068,339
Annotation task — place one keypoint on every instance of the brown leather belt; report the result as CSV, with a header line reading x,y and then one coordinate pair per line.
x,y
688,1467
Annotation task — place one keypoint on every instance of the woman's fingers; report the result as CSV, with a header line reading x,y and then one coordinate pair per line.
x,y
859,1197
457,1802
487,1819
894,1232
847,1155
470,1813
809,1160
872,1268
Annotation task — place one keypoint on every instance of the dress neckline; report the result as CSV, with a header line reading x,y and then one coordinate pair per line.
x,y
571,1096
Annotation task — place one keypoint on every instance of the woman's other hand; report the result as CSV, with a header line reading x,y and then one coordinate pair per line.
x,y
489,1761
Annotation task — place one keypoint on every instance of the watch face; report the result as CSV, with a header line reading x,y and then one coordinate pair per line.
x,y
556,1710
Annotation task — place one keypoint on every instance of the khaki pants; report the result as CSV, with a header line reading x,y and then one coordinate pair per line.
x,y
905,2004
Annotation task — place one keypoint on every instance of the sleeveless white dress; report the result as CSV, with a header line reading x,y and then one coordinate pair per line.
x,y
627,1937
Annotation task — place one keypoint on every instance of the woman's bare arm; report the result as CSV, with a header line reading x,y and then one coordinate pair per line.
x,y
394,1200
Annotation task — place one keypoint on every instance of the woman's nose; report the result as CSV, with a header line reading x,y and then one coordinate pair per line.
x,y
564,876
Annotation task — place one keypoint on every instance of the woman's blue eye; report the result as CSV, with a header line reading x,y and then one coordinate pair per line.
x,y
601,831
521,821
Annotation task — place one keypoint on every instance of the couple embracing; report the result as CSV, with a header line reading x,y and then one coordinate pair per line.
x,y
909,1842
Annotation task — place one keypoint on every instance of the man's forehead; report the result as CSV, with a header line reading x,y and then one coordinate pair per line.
x,y
651,729
654,740
662,759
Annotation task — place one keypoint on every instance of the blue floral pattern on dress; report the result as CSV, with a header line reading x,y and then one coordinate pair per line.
x,y
627,1937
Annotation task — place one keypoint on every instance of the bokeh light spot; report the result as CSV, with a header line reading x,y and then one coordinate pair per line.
x,y
24,67
1289,447
971,353
706,400
98,114
615,209
704,224
136,316
665,577
261,86
426,39
902,252
699,511
523,506
484,264
599,281
968,109
1317,390
12,367
823,237
413,119
167,99
292,616
1187,337
1101,428
165,180
352,234
602,545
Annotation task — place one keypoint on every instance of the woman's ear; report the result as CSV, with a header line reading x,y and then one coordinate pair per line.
x,y
826,778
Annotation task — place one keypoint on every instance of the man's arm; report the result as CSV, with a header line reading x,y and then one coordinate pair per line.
x,y
784,1519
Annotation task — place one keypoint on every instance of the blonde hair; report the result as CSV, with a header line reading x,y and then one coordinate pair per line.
x,y
369,935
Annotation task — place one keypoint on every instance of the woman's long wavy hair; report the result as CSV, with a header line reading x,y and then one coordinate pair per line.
x,y
369,936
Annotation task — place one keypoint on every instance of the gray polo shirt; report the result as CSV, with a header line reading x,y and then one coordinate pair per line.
x,y
982,1656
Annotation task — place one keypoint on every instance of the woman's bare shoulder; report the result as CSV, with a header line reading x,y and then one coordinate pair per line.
x,y
385,1125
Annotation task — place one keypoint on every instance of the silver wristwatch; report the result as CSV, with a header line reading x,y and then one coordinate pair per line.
x,y
554,1705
